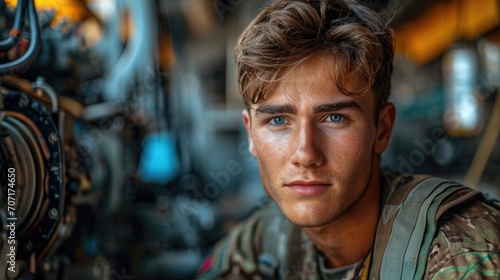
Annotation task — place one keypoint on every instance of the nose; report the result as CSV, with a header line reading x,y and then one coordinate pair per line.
x,y
308,151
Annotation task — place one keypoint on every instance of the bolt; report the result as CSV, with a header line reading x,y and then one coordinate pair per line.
x,y
53,138
46,266
24,102
53,213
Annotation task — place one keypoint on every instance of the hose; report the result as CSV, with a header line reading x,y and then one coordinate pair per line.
x,y
16,30
27,57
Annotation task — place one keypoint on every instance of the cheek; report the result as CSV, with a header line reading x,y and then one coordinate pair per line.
x,y
272,155
350,144
362,142
351,160
271,146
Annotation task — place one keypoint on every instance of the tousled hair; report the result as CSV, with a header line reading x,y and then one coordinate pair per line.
x,y
288,32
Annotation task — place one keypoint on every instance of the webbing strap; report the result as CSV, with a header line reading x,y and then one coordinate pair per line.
x,y
432,223
281,247
416,204
423,234
392,203
268,260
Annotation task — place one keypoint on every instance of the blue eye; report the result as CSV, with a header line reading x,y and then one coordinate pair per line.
x,y
277,120
335,118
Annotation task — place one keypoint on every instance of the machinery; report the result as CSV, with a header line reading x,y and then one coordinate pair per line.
x,y
62,167
93,184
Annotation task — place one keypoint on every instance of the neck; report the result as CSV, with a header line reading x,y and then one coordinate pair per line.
x,y
349,238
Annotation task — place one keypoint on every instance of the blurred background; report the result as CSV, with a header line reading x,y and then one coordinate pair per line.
x,y
121,121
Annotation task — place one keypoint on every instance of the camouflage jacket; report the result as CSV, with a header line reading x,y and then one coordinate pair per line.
x,y
464,243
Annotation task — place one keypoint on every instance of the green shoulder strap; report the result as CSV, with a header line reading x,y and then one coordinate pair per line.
x,y
408,225
281,250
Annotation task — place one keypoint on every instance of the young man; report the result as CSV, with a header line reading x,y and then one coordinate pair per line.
x,y
315,77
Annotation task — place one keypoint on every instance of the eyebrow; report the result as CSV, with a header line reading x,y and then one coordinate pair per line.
x,y
337,106
275,109
323,108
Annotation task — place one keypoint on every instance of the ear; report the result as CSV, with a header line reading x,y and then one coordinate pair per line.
x,y
385,125
247,121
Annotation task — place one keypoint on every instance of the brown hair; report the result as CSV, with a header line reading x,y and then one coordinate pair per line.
x,y
286,33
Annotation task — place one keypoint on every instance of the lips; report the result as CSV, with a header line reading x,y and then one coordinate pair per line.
x,y
308,188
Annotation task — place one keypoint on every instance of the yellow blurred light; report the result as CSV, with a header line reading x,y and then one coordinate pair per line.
x,y
428,36
69,10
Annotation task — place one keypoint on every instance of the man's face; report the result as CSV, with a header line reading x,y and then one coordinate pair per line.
x,y
316,147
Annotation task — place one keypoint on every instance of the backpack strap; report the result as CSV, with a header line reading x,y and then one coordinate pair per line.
x,y
408,225
393,197
268,259
281,250
459,197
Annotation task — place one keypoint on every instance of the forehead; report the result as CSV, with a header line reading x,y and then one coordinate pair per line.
x,y
316,80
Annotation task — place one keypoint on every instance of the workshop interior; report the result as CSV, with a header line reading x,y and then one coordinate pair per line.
x,y
122,151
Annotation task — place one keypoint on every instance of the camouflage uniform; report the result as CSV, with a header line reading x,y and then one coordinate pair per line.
x,y
465,243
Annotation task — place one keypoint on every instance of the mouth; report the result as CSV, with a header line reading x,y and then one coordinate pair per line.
x,y
308,188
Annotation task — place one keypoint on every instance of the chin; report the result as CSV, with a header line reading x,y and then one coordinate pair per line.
x,y
312,220
309,225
